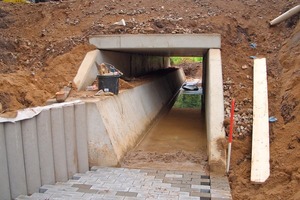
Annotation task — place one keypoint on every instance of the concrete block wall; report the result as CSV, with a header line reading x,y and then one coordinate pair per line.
x,y
42,150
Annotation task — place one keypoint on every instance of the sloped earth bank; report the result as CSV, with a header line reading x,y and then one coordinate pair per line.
x,y
42,45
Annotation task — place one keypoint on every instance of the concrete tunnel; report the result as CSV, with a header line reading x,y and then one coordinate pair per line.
x,y
137,55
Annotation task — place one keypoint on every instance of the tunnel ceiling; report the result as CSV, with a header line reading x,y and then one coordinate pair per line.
x,y
159,44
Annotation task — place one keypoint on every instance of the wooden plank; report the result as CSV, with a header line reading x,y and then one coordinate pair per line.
x,y
260,164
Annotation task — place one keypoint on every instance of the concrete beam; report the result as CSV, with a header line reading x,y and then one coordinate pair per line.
x,y
4,183
159,44
70,137
81,137
31,155
45,147
214,111
59,144
15,158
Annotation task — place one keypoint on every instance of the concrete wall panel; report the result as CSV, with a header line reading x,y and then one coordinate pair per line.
x,y
15,158
59,144
101,152
4,183
31,155
81,137
45,147
70,137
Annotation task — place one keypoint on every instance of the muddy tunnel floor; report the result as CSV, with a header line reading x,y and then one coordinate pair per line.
x,y
176,142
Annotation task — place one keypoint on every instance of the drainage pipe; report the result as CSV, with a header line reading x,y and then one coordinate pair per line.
x,y
285,15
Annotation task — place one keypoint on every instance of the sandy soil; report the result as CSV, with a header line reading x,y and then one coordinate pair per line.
x,y
42,46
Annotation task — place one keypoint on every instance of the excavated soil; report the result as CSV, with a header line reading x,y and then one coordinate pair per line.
x,y
42,46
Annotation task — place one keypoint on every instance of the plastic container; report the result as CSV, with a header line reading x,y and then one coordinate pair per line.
x,y
108,83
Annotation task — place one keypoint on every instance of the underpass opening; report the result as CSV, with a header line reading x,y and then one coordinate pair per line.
x,y
138,55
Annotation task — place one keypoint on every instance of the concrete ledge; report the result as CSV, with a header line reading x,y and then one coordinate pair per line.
x,y
214,111
116,123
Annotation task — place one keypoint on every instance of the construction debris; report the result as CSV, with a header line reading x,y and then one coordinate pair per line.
x,y
285,15
63,94
120,23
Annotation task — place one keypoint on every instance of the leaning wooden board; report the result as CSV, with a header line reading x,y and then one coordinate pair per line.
x,y
260,163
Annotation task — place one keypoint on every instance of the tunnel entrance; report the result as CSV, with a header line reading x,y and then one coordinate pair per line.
x,y
138,55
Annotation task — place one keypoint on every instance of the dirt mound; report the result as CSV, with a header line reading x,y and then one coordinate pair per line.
x,y
184,160
42,46
192,70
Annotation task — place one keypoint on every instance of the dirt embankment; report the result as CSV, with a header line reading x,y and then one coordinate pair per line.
x,y
42,46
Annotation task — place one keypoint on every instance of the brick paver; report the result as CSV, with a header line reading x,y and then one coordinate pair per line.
x,y
135,184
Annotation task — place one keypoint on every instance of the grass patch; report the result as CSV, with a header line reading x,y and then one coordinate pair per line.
x,y
188,101
180,60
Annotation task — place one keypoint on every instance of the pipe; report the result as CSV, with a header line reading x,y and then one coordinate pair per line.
x,y
285,15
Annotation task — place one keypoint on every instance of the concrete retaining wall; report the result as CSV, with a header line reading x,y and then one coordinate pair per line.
x,y
63,139
122,119
42,150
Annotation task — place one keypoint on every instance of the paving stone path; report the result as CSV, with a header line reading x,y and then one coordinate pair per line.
x,y
136,184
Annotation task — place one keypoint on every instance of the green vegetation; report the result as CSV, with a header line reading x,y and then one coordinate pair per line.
x,y
188,101
180,60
